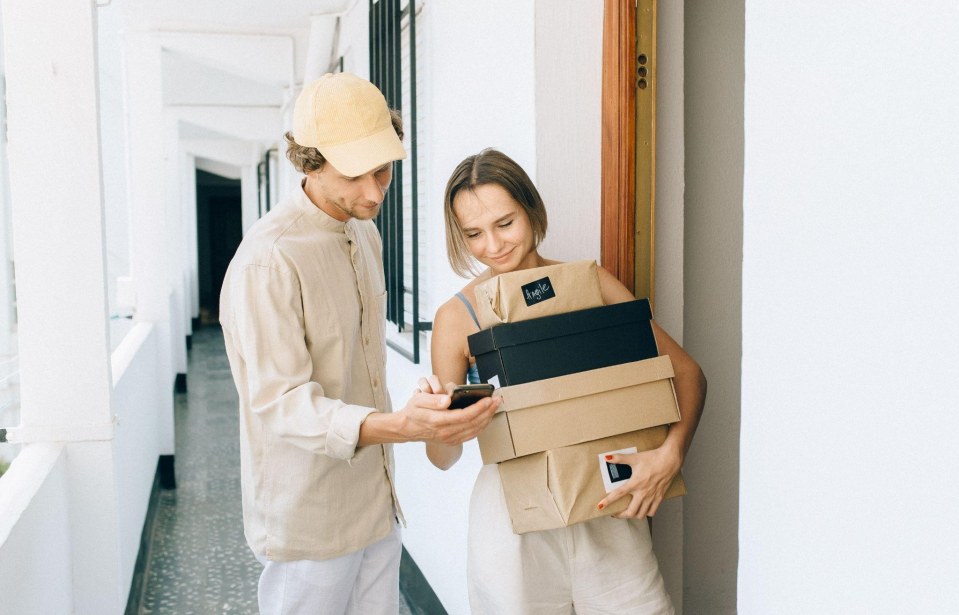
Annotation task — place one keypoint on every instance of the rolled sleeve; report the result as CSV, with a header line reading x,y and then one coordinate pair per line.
x,y
345,431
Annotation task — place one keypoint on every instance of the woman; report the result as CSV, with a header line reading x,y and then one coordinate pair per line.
x,y
495,216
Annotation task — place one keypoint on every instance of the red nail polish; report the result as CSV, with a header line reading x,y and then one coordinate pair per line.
x,y
608,457
601,506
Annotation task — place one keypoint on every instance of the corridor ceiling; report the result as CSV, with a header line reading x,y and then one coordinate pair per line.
x,y
228,67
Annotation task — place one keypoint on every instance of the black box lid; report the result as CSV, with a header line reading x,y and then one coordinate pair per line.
x,y
570,323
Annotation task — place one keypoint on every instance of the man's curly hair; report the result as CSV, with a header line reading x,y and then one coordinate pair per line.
x,y
309,159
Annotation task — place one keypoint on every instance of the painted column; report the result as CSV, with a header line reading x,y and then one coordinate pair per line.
x,y
188,198
61,274
149,243
175,250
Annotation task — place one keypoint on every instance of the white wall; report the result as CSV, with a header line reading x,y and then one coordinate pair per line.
x,y
668,526
136,397
849,422
473,103
35,554
568,82
713,297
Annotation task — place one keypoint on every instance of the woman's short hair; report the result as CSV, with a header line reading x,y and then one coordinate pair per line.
x,y
309,159
490,166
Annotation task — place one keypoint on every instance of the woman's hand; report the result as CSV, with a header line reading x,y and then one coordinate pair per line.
x,y
653,471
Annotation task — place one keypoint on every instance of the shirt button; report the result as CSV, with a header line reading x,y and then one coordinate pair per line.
x,y
366,341
376,383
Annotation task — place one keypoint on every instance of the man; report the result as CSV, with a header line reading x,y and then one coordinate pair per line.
x,y
302,309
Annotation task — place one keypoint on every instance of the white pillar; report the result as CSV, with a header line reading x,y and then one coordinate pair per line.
x,y
61,274
175,233
319,51
149,247
188,198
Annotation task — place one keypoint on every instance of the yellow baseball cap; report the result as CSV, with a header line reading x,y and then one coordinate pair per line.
x,y
347,119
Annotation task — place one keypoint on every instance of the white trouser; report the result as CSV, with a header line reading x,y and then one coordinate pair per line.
x,y
366,582
604,566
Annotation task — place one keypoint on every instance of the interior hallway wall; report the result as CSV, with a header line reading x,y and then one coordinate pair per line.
x,y
473,103
569,80
849,422
713,296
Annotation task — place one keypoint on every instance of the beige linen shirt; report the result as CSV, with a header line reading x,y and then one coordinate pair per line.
x,y
302,309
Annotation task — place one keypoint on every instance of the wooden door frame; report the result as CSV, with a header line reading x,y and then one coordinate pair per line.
x,y
628,143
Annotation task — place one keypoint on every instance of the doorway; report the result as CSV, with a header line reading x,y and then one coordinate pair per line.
x,y
219,229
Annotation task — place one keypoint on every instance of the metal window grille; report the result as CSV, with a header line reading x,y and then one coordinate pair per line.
x,y
399,221
265,186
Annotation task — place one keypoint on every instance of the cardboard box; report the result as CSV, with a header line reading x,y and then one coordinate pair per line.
x,y
562,344
534,293
556,412
562,486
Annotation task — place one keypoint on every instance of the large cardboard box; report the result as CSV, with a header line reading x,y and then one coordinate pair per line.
x,y
556,412
560,487
537,292
562,344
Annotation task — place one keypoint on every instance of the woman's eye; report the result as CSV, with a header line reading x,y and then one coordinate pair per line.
x,y
506,224
471,235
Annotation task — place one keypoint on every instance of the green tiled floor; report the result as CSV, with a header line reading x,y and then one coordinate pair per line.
x,y
199,560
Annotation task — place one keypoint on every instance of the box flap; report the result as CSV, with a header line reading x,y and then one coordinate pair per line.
x,y
574,480
537,292
569,323
581,384
562,486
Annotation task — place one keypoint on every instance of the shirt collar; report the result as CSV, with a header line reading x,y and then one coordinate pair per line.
x,y
323,219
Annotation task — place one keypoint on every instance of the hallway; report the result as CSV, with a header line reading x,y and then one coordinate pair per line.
x,y
199,562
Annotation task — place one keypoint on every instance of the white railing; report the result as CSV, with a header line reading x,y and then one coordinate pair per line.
x,y
41,516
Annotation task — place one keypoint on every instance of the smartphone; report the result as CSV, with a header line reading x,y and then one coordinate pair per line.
x,y
464,395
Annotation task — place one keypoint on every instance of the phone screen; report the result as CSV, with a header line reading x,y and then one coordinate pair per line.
x,y
464,395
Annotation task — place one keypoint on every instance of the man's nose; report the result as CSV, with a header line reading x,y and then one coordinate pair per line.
x,y
372,190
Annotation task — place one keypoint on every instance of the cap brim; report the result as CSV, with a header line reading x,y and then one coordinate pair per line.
x,y
363,155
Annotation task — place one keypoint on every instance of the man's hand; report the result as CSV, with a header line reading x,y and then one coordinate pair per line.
x,y
653,471
428,419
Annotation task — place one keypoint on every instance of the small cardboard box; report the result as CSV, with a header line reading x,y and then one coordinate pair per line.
x,y
560,487
548,414
564,344
534,293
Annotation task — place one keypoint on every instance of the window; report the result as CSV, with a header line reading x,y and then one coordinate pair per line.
x,y
394,51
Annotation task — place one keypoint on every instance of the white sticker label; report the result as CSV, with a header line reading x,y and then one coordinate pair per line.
x,y
494,381
614,473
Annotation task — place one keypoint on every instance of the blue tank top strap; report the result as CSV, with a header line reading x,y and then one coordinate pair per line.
x,y
470,308
472,374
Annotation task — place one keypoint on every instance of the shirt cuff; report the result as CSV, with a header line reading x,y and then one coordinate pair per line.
x,y
345,431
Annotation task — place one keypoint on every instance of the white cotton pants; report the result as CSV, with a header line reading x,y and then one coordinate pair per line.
x,y
602,566
366,582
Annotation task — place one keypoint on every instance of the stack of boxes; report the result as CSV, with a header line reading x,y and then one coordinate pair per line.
x,y
579,380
